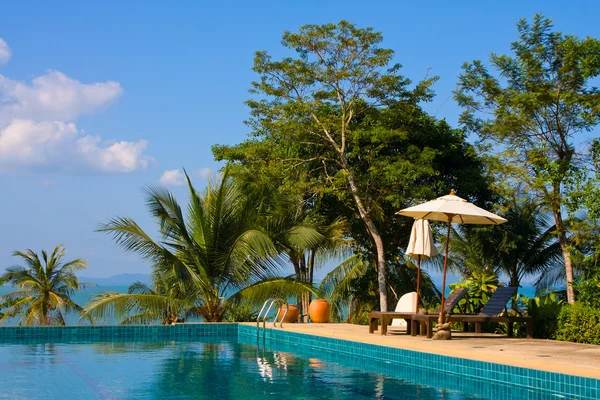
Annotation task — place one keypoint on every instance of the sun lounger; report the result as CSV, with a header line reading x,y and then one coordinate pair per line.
x,y
490,313
382,318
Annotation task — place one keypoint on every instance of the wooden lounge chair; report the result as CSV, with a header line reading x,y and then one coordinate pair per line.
x,y
490,313
382,318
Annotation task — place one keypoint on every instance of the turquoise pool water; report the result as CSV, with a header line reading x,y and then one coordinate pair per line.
x,y
221,368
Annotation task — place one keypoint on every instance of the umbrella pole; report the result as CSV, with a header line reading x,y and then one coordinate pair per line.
x,y
418,281
441,320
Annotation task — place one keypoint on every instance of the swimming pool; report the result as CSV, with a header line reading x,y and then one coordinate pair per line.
x,y
217,363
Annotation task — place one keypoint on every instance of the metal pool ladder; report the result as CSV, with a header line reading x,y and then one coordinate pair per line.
x,y
270,302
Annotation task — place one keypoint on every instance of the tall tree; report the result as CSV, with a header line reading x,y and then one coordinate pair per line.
x,y
216,255
535,112
355,127
45,288
338,74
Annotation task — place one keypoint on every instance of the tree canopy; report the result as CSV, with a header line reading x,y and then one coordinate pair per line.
x,y
533,111
341,123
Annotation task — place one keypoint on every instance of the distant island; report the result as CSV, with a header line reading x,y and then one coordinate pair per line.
x,y
83,285
115,280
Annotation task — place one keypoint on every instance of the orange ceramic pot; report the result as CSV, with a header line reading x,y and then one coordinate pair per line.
x,y
318,311
292,315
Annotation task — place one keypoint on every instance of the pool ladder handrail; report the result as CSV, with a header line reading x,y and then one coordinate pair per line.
x,y
271,301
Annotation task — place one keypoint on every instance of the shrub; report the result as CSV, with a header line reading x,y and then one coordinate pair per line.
x,y
579,323
480,286
241,313
588,291
544,311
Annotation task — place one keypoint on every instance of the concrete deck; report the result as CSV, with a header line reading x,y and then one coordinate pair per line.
x,y
547,355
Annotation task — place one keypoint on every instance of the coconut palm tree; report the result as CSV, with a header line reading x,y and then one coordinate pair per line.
x,y
350,286
306,238
211,257
45,288
528,244
309,241
473,249
523,246
142,304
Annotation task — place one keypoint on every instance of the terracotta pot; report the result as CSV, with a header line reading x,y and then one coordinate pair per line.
x,y
291,316
318,311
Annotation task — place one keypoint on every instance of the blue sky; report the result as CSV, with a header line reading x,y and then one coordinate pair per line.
x,y
98,99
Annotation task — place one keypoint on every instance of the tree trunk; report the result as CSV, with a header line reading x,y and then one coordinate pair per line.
x,y
375,236
564,245
307,296
514,281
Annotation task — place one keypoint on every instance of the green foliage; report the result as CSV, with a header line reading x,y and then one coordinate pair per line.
x,y
45,285
480,286
579,323
215,256
524,246
352,292
544,311
533,111
340,113
588,291
241,313
141,304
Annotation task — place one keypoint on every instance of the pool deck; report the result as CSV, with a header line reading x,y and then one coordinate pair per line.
x,y
547,355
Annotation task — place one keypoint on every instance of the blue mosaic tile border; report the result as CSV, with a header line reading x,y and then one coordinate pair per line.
x,y
535,381
104,333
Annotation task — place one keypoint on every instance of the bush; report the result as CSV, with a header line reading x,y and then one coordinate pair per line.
x,y
544,311
241,313
480,286
579,323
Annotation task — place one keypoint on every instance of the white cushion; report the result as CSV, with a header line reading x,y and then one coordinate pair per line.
x,y
407,303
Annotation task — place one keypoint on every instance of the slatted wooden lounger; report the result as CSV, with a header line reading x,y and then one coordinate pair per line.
x,y
378,317
490,313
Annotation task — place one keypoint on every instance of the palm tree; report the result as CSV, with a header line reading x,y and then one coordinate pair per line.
x,y
309,242
211,258
473,249
45,288
528,244
523,246
305,237
351,289
141,304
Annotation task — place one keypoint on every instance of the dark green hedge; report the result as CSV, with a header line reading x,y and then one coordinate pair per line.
x,y
579,323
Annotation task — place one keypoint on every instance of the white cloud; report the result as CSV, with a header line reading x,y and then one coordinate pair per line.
x,y
53,96
37,128
5,52
172,177
62,146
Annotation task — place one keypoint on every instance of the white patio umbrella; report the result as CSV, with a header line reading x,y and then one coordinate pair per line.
x,y
451,209
420,247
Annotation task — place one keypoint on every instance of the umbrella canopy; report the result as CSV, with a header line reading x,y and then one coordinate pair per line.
x,y
420,247
451,209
